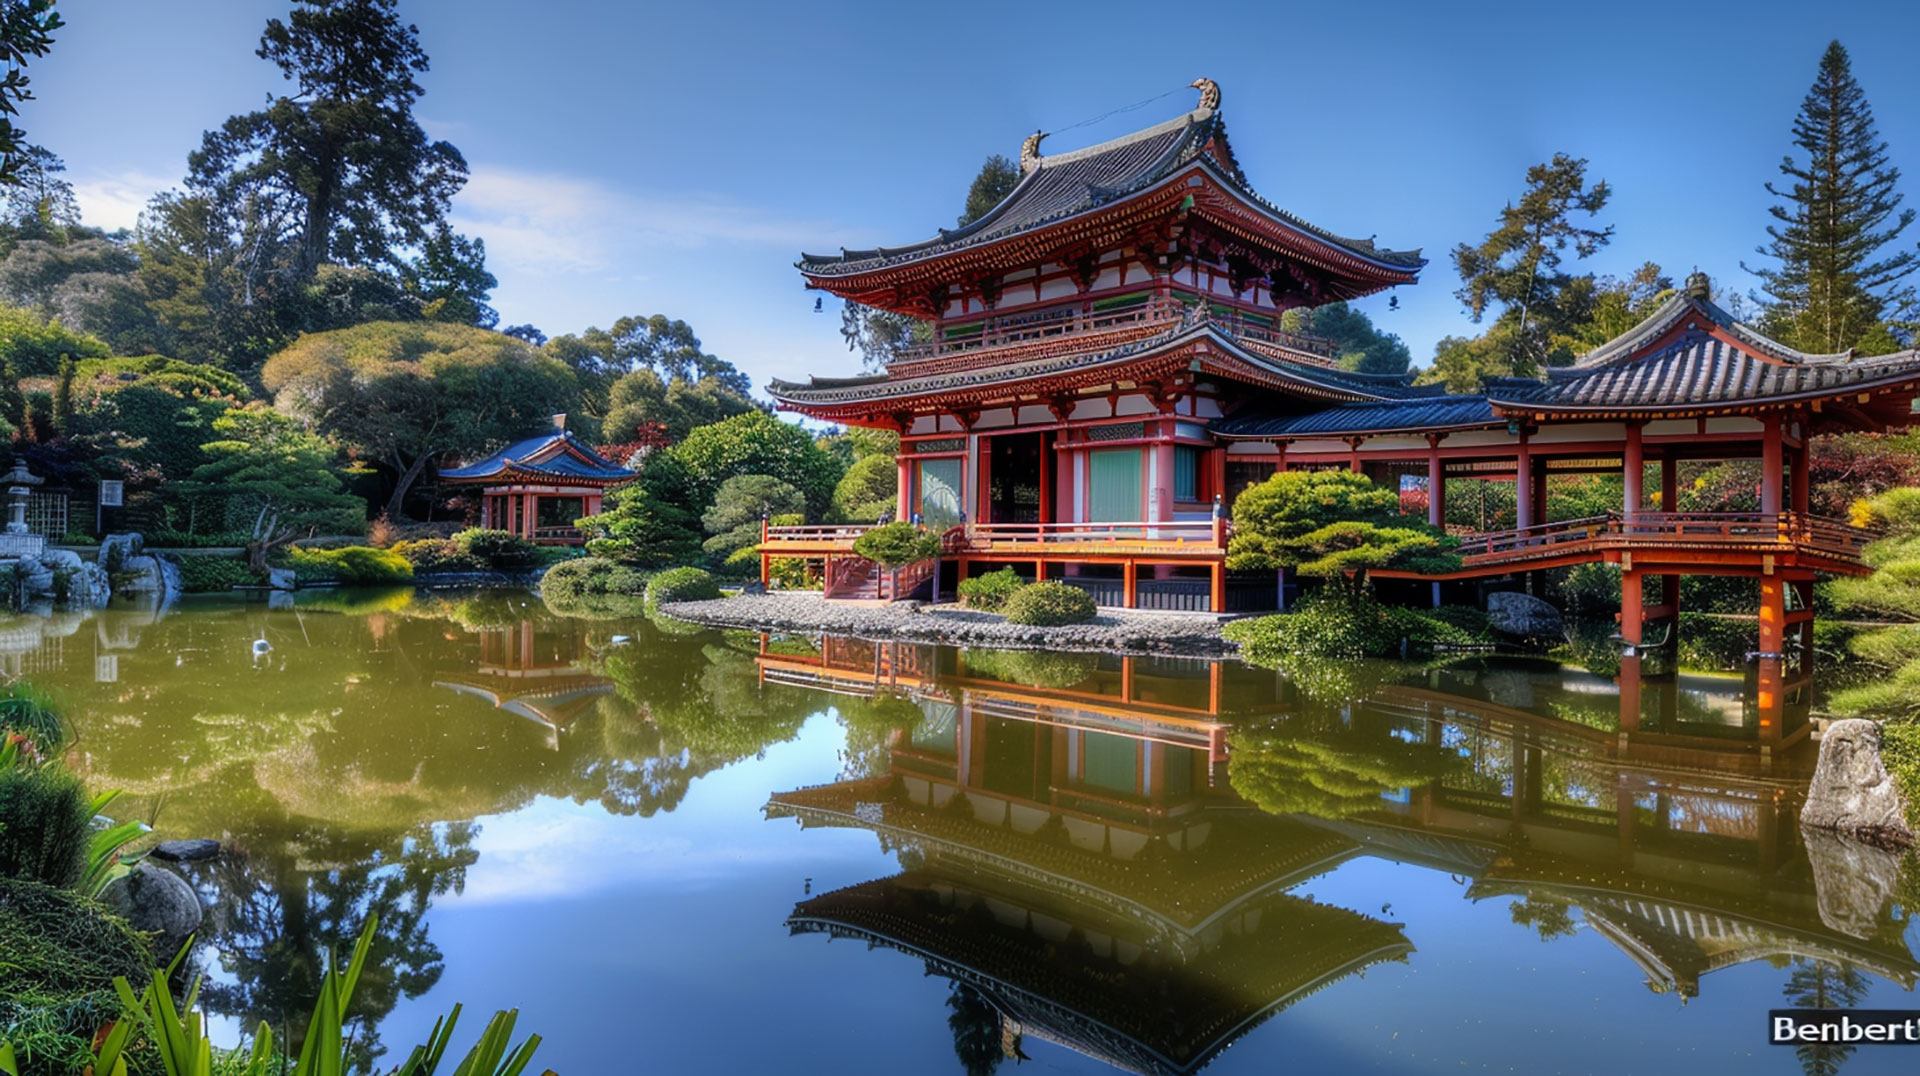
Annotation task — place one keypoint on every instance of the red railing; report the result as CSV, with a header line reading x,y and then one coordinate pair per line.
x,y
824,533
1068,322
1198,535
1739,529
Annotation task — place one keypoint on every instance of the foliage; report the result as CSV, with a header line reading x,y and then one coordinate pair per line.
x,y
26,32
1359,345
354,565
640,528
1837,273
868,491
451,280
276,470
429,555
686,386
997,178
27,712
1329,524
400,395
989,591
45,822
1900,751
641,405
752,443
793,573
680,585
572,580
1716,643
897,544
1326,625
210,574
1034,668
500,549
34,346
63,952
1049,604
1589,591
1317,765
740,505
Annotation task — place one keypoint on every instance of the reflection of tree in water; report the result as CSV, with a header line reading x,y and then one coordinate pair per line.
x,y
278,908
975,1024
1549,918
1818,984
1315,763
870,726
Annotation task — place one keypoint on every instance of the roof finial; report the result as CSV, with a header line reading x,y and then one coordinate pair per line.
x,y
1030,151
1698,286
1209,94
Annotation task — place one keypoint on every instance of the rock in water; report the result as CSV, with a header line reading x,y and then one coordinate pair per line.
x,y
116,548
1514,613
1853,882
186,851
1852,791
156,901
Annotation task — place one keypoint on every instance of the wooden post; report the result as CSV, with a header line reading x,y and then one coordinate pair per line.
x,y
766,570
1039,571
1773,615
1129,578
1631,604
1219,590
1523,486
903,503
1770,463
1633,467
1436,485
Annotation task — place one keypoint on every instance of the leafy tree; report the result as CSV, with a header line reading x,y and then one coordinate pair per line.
x,y
1835,282
37,201
530,333
1360,346
1818,984
1329,524
26,32
277,470
753,443
401,395
641,527
1317,765
451,279
341,296
33,345
643,400
869,489
739,506
1517,270
976,1027
998,176
658,344
1609,306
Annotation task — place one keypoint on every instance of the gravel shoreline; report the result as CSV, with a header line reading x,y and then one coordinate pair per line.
x,y
1111,632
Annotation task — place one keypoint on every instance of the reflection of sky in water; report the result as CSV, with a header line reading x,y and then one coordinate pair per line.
x,y
658,942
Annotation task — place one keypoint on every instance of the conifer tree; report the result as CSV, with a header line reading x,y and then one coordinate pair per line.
x,y
1836,282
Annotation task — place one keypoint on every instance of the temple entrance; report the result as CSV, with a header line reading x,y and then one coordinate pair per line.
x,y
1014,462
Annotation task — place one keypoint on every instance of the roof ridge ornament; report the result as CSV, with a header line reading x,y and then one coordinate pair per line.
x,y
1209,94
1699,286
1030,152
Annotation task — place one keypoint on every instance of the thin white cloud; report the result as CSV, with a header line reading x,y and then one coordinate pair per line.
x,y
115,200
559,223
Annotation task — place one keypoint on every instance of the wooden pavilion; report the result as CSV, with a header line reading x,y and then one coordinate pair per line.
x,y
1106,367
538,487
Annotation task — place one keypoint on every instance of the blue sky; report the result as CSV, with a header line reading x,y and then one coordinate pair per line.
x,y
639,158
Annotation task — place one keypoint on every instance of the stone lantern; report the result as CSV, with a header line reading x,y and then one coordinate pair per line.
x,y
17,541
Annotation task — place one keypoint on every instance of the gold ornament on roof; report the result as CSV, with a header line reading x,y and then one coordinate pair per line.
x,y
1030,151
1209,93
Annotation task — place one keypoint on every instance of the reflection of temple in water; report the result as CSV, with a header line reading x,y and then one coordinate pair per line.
x,y
532,668
1078,851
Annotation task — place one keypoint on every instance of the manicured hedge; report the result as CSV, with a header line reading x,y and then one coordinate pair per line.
x,y
354,565
571,580
897,545
500,549
680,585
1050,605
990,591
211,574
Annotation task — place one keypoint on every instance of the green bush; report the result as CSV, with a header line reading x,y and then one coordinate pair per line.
x,y
1331,625
1716,643
500,549
1590,591
793,573
1049,604
897,545
354,565
56,983
205,575
1900,748
991,590
680,585
26,712
438,555
45,825
183,540
572,580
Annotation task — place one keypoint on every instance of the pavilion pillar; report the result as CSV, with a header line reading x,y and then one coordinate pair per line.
x,y
1523,486
1632,608
1633,467
1629,683
1161,486
1773,615
1538,492
1770,466
1436,498
903,497
530,516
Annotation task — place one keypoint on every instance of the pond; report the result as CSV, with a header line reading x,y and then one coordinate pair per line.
x,y
682,850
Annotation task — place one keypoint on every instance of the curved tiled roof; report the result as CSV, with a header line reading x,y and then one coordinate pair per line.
x,y
1396,416
1706,373
553,455
1069,184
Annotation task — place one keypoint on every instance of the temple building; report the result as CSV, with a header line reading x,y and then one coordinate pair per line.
x,y
1105,365
537,487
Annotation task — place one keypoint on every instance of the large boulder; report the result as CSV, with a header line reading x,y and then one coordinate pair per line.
x,y
147,574
1524,616
115,549
1852,791
157,902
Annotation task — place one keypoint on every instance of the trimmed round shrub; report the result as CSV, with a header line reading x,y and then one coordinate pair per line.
x,y
501,549
990,591
1049,604
897,545
681,585
584,576
56,983
354,565
45,825
438,555
1320,625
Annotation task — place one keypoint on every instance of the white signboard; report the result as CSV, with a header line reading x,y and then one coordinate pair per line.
x,y
112,493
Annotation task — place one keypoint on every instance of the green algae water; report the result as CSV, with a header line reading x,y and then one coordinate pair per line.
x,y
681,850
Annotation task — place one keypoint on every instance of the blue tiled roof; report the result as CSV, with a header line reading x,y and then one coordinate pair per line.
x,y
1410,415
567,458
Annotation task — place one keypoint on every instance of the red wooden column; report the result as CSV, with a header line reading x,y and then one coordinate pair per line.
x,y
1129,578
1161,510
1770,465
1632,470
1436,484
1773,615
1632,608
1523,486
903,506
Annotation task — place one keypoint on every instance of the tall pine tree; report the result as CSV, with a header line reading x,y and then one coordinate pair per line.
x,y
1836,285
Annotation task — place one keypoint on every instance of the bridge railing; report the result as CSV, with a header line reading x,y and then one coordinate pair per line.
x,y
1752,529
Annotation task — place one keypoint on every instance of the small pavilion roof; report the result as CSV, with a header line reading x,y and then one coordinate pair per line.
x,y
1064,185
557,456
1692,356
1412,415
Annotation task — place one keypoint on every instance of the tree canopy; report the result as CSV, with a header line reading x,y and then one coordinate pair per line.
x,y
1359,345
283,474
1330,524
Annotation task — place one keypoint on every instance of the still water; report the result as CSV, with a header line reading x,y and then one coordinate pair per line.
x,y
678,850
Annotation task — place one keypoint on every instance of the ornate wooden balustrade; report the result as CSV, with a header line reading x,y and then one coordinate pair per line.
x,y
1709,537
